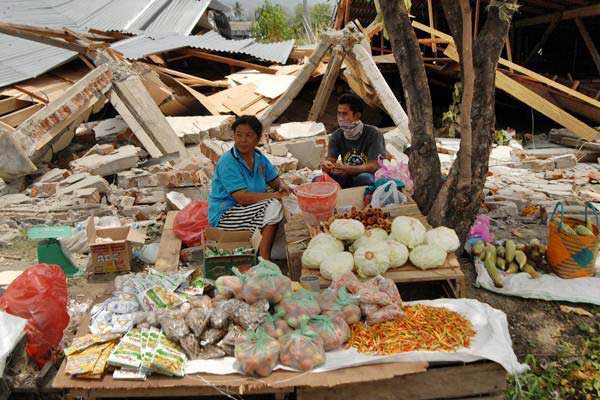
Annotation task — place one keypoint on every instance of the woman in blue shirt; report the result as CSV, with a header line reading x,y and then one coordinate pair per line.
x,y
239,199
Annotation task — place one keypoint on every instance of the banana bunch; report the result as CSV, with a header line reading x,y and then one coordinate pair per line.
x,y
581,230
510,257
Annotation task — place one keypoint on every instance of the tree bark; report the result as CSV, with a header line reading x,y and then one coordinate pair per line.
x,y
424,162
454,203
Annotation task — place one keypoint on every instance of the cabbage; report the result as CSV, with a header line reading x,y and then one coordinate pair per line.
x,y
347,229
443,237
314,256
427,256
336,265
372,260
375,235
398,253
409,231
327,240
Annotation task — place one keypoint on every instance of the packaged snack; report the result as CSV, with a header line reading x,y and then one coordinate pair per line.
x,y
128,352
158,297
85,341
302,349
84,362
257,353
299,307
333,332
100,366
168,359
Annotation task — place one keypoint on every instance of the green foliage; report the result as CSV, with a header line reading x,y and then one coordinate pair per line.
x,y
271,23
501,137
238,11
320,18
574,375
451,118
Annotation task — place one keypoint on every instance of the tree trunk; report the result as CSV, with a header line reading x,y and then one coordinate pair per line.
x,y
424,162
452,203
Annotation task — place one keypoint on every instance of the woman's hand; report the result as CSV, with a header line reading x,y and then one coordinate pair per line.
x,y
280,195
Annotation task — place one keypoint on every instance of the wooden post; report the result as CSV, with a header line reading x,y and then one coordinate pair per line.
x,y
476,24
327,83
432,25
284,101
588,42
389,101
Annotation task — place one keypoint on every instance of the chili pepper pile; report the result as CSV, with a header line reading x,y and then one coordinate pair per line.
x,y
423,328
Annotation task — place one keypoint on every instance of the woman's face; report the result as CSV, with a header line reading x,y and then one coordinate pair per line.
x,y
245,139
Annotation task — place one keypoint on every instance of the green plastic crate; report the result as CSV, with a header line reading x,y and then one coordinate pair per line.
x,y
219,266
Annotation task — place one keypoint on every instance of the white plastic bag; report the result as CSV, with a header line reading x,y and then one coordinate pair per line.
x,y
387,194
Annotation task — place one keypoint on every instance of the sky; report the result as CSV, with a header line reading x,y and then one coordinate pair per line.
x,y
250,5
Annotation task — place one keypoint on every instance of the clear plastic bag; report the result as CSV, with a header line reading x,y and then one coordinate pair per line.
x,y
243,314
345,306
257,353
383,314
263,282
174,328
228,342
191,346
212,336
348,281
197,320
218,316
302,349
334,332
395,170
299,307
229,286
387,194
276,326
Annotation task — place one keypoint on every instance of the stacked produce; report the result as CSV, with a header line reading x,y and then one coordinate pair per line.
x,y
423,328
373,251
370,217
510,257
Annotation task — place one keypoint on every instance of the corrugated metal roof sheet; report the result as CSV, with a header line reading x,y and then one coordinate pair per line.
x,y
22,59
144,45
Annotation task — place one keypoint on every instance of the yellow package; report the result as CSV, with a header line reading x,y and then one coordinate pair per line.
x,y
85,361
85,341
101,363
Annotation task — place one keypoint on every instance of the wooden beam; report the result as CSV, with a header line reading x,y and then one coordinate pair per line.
x,y
15,118
327,84
198,80
169,249
384,92
284,101
229,61
141,105
31,94
580,12
520,69
19,31
431,24
476,24
537,102
588,42
508,50
12,104
202,99
555,21
134,125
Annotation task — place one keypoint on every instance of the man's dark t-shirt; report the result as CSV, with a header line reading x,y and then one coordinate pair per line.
x,y
357,152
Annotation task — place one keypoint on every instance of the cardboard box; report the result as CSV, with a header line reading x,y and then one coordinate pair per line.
x,y
113,254
351,197
215,266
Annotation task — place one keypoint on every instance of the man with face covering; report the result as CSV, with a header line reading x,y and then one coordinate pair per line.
x,y
354,148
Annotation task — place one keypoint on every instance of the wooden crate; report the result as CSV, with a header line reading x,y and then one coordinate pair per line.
x,y
450,273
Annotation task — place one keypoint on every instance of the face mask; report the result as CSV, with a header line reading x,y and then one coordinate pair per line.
x,y
352,130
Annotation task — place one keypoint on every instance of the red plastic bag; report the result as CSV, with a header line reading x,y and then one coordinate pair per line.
x,y
39,295
191,222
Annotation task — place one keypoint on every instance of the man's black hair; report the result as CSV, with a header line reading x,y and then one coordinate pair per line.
x,y
251,121
353,101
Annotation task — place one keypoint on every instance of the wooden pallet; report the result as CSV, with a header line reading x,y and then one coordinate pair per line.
x,y
450,273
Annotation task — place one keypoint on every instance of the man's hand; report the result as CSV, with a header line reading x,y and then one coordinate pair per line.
x,y
341,169
328,166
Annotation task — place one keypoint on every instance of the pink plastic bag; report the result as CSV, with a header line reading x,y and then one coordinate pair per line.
x,y
39,295
395,170
482,229
191,222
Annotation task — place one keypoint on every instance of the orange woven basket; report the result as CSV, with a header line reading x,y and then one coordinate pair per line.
x,y
572,256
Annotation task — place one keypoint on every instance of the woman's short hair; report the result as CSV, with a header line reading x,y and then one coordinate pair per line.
x,y
251,121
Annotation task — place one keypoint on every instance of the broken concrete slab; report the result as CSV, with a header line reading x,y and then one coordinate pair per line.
x,y
308,152
13,199
14,161
44,189
177,201
106,131
565,161
214,149
277,149
126,201
182,178
54,175
89,195
539,165
90,181
121,159
136,178
296,130
283,164
192,130
100,149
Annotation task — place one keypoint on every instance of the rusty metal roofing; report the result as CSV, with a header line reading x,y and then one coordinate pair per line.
x,y
144,45
22,59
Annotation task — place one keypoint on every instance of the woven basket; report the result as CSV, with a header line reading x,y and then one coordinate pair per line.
x,y
572,256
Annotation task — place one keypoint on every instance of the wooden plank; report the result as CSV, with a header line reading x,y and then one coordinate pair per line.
x,y
580,12
327,84
38,36
588,42
133,124
202,99
478,380
431,24
15,118
200,81
31,94
12,104
519,68
229,61
170,246
138,101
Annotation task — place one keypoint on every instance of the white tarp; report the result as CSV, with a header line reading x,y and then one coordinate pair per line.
x,y
546,287
12,328
492,342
